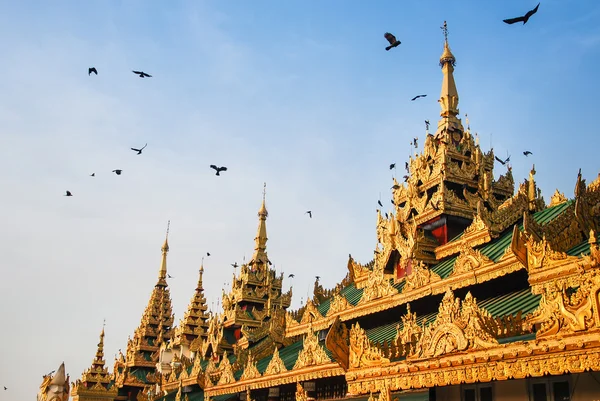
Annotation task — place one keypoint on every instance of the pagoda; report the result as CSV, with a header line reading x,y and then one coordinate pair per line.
x,y
137,369
96,382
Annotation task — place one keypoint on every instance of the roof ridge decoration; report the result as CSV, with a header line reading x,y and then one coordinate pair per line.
x,y
338,303
569,305
250,371
557,198
337,340
311,313
301,394
312,353
357,271
276,365
420,276
362,352
469,259
456,328
226,371
410,332
587,204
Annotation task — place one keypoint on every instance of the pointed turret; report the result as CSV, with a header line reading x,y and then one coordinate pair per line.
x,y
193,328
259,258
55,388
156,327
449,95
95,382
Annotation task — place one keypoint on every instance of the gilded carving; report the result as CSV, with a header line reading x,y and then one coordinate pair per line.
x,y
276,365
362,352
311,313
338,303
337,342
312,353
250,371
410,331
301,394
557,198
567,306
456,328
420,276
540,254
469,259
226,371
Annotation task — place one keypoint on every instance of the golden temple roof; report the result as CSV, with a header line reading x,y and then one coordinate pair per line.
x,y
194,324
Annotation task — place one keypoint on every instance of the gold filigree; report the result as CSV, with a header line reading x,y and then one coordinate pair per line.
x,y
411,331
362,352
456,329
540,254
337,342
557,198
567,305
276,365
469,259
312,353
226,371
338,303
301,394
311,313
250,371
420,276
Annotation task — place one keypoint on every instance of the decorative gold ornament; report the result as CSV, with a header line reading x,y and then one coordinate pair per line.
x,y
420,276
362,352
312,353
250,371
337,341
301,394
276,365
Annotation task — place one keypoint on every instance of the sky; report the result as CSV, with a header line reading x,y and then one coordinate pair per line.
x,y
298,94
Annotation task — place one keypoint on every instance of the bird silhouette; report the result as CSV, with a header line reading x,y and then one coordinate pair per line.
x,y
393,202
218,169
427,125
5,388
309,213
415,142
207,253
523,18
395,186
117,172
503,162
392,166
416,97
318,277
142,74
406,177
93,175
235,265
527,153
139,151
169,276
392,39
92,69
406,166
291,276
380,204
68,193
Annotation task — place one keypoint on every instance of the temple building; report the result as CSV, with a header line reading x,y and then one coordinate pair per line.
x,y
478,291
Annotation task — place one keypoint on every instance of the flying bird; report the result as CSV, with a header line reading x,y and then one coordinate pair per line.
x,y
523,18
527,153
291,276
395,186
414,142
117,172
309,213
5,388
406,166
92,69
416,97
169,276
68,193
406,177
218,169
392,166
392,39
503,162
235,265
318,277
139,151
207,253
380,204
427,125
142,74
93,175
393,202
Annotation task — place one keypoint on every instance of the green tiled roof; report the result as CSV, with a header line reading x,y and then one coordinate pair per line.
x,y
351,293
224,397
445,268
503,305
139,374
550,213
581,249
287,354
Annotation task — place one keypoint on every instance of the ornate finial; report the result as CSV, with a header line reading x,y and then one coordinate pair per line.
x,y
444,29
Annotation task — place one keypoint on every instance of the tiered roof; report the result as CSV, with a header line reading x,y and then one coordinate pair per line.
x,y
96,382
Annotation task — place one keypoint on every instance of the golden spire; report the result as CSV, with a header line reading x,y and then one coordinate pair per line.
x,y
99,360
162,273
449,95
260,248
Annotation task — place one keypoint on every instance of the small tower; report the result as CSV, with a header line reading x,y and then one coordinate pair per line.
x,y
95,383
156,327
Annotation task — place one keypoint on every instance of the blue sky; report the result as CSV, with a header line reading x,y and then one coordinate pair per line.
x,y
300,94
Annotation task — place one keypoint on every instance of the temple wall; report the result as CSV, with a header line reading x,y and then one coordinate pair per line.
x,y
586,388
450,393
510,390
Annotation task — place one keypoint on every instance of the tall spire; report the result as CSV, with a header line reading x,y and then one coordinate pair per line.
x,y
449,95
260,248
162,273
